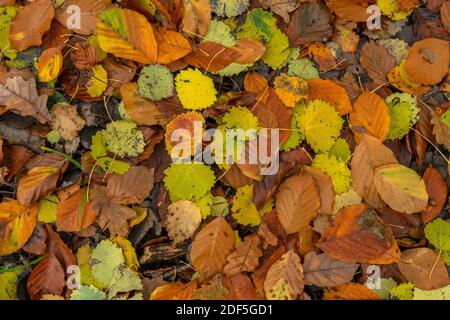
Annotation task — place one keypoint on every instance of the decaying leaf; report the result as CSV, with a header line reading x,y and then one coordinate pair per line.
x,y
245,258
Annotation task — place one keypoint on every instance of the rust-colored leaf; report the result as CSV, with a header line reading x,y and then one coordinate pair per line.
x,y
351,291
359,235
245,257
171,46
329,91
75,213
437,190
211,56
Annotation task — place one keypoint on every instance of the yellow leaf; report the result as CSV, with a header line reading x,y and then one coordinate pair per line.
x,y
50,64
244,209
99,81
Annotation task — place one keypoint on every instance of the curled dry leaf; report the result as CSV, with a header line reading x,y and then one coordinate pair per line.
x,y
329,91
46,278
131,187
183,220
21,96
369,155
211,247
324,271
245,258
285,279
437,190
17,223
297,202
30,24
424,268
66,121
427,61
359,235
351,291
370,115
401,188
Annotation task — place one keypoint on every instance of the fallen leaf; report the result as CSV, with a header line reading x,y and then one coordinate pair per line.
x,y
75,213
66,121
197,16
240,287
440,130
348,10
46,278
131,187
30,24
377,61
183,220
401,188
50,64
351,291
329,91
325,188
211,56
285,279
297,202
324,271
38,183
21,97
211,247
281,7
17,223
213,290
369,155
424,268
370,115
245,258
171,46
359,235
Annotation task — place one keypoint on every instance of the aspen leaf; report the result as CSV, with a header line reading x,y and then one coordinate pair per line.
x,y
99,81
438,234
192,80
437,294
211,247
244,210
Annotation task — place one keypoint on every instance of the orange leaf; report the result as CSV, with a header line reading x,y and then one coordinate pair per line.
x,y
240,287
211,247
174,291
250,51
297,202
368,155
49,65
325,187
245,257
437,191
211,56
348,10
351,291
256,83
17,223
75,213
359,235
140,44
395,78
370,115
171,46
329,91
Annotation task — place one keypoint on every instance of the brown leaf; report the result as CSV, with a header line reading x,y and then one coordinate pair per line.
x,y
84,56
48,277
213,290
329,91
245,257
377,61
324,271
21,97
266,235
41,179
37,243
75,213
285,280
445,15
171,46
240,287
424,268
118,74
259,275
66,120
427,61
30,24
437,191
441,131
88,10
297,202
131,187
370,115
368,155
351,291
359,235
256,83
211,247
281,7
306,239
325,188
211,56
310,23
